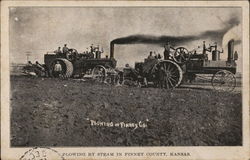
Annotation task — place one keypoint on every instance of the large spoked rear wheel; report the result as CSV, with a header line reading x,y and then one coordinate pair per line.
x,y
168,74
99,73
224,81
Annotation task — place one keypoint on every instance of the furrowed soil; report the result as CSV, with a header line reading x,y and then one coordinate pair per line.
x,y
55,112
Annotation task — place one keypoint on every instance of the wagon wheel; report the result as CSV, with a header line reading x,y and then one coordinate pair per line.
x,y
99,73
181,55
169,74
224,80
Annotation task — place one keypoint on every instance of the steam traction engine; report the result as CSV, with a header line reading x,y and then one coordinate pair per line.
x,y
223,71
184,65
76,64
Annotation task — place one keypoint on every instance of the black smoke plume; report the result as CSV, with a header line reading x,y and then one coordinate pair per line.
x,y
176,40
150,39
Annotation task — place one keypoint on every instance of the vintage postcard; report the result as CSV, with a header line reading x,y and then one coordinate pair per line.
x,y
124,80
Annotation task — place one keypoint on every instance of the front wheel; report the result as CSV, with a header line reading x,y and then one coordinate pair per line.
x,y
99,73
224,80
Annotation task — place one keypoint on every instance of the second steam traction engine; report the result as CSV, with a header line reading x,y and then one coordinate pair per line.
x,y
183,65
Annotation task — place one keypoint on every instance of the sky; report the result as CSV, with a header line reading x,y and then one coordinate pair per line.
x,y
38,30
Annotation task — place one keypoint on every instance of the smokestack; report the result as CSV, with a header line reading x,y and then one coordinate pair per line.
x,y
230,50
112,50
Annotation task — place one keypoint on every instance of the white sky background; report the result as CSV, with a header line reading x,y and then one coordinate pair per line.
x,y
41,29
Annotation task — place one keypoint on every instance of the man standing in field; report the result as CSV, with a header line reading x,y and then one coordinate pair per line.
x,y
57,69
161,77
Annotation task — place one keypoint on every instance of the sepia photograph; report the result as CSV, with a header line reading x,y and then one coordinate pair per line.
x,y
125,76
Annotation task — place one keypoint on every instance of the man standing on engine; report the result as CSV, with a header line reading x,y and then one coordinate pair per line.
x,y
58,51
65,50
167,47
57,69
151,55
92,48
236,56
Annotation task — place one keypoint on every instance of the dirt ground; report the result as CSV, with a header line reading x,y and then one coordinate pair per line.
x,y
55,112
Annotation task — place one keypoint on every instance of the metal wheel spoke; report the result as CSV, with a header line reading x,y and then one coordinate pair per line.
x,y
180,60
170,82
167,83
182,56
164,65
171,69
175,71
168,67
178,51
173,79
175,74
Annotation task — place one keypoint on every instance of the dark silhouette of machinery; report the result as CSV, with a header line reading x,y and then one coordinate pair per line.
x,y
167,73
